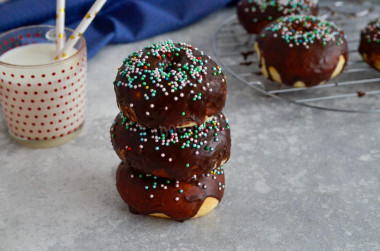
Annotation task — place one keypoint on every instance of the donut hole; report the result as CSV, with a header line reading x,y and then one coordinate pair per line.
x,y
171,62
304,27
164,63
167,67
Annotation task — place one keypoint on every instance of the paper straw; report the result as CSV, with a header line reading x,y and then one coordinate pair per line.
x,y
86,21
60,25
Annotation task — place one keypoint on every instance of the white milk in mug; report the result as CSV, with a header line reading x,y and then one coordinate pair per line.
x,y
42,99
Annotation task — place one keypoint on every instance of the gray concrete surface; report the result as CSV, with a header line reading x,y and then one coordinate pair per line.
x,y
298,178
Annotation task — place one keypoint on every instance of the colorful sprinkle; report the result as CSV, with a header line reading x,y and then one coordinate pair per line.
x,y
305,30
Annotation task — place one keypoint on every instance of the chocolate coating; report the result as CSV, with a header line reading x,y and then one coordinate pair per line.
x,y
254,15
175,154
370,44
170,84
146,194
302,49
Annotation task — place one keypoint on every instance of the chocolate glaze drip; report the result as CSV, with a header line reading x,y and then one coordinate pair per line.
x,y
147,194
311,64
246,63
195,151
187,86
369,46
247,53
249,10
361,94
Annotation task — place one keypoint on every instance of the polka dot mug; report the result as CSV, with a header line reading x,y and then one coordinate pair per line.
x,y
43,105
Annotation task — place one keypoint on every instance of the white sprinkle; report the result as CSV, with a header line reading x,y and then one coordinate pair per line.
x,y
147,113
151,105
176,199
141,146
166,108
162,154
131,105
175,98
170,159
151,196
132,176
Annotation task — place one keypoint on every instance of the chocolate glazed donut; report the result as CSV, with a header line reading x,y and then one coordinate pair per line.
x,y
170,84
370,44
151,195
181,154
254,15
301,51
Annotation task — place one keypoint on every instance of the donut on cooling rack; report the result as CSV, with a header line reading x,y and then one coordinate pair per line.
x,y
370,44
254,15
170,84
151,195
180,154
301,51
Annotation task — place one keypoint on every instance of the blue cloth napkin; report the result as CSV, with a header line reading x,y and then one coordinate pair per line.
x,y
120,21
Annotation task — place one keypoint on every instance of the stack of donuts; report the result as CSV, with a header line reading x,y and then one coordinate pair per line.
x,y
171,134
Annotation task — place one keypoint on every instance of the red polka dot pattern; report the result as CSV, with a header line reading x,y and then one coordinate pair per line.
x,y
46,103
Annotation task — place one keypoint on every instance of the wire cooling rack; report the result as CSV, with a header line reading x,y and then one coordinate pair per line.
x,y
357,89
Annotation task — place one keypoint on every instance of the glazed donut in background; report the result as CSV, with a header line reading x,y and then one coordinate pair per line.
x,y
170,85
301,51
177,153
254,15
151,195
370,44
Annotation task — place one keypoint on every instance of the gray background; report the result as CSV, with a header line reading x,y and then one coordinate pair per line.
x,y
298,178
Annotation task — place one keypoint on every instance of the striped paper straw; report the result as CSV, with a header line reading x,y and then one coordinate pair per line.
x,y
86,21
60,25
